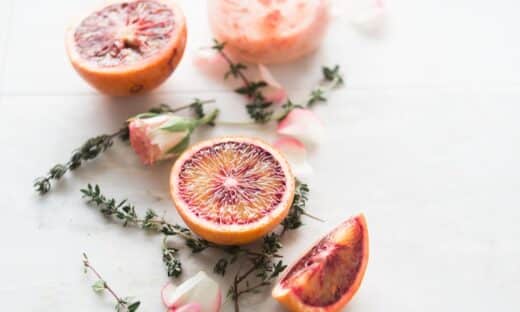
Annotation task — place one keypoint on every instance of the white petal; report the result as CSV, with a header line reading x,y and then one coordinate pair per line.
x,y
167,140
366,15
296,154
302,124
274,92
370,21
199,289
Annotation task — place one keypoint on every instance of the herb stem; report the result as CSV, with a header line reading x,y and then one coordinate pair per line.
x,y
230,62
187,106
305,213
88,266
235,123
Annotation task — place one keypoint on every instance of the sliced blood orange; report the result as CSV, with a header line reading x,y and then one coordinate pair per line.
x,y
128,47
232,190
269,31
327,276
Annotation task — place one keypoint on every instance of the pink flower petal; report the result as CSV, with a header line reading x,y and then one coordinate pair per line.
x,y
268,77
277,96
274,92
142,143
199,289
210,62
296,155
190,307
302,124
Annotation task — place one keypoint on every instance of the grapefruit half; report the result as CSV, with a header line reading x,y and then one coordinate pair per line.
x,y
269,31
326,278
232,190
128,47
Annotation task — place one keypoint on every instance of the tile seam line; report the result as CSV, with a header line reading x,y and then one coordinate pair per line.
x,y
4,44
504,87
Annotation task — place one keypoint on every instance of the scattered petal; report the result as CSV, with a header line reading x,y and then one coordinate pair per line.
x,y
167,294
210,61
190,307
276,96
274,92
268,77
296,155
199,291
367,16
302,124
370,21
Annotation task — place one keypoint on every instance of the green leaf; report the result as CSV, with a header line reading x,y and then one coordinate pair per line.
x,y
179,148
179,124
145,115
134,306
99,286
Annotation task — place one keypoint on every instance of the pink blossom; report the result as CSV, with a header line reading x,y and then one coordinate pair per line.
x,y
302,124
161,136
151,142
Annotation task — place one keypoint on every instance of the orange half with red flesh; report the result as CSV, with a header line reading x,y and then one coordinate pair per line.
x,y
232,190
128,47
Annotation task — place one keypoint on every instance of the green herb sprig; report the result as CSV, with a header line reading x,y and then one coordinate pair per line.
x,y
265,261
95,146
261,110
126,304
258,108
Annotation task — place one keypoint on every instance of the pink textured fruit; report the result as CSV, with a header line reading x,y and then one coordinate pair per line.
x,y
269,31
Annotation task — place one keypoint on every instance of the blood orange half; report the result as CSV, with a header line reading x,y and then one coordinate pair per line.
x,y
128,47
232,190
327,276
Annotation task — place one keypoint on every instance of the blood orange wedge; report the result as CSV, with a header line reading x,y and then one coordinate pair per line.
x,y
128,47
327,276
232,190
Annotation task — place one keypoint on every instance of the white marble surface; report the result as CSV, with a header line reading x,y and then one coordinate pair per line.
x,y
424,139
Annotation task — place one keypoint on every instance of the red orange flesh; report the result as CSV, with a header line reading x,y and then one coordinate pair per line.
x,y
232,190
326,278
128,47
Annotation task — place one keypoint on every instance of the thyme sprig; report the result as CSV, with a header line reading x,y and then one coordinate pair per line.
x,y
95,146
260,109
92,148
125,212
126,304
266,268
265,261
332,78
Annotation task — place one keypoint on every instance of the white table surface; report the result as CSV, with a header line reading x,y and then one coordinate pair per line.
x,y
424,139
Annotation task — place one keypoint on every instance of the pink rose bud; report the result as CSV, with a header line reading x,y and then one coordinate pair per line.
x,y
302,124
156,137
